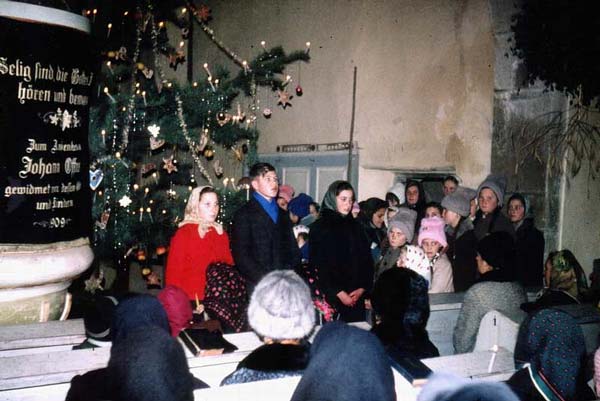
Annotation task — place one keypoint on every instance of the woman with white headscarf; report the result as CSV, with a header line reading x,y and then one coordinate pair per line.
x,y
199,242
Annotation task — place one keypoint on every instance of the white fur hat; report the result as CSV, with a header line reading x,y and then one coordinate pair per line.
x,y
281,307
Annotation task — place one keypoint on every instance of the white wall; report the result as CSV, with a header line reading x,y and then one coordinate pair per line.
x,y
425,79
580,228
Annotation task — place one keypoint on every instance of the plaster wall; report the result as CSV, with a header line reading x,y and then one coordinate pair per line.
x,y
424,89
580,220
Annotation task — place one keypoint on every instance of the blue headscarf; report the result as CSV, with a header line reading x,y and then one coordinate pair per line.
x,y
552,343
135,312
150,365
300,205
346,363
448,387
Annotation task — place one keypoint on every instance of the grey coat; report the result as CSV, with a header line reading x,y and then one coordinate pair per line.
x,y
480,299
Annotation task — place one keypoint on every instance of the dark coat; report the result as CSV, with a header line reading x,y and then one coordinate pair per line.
x,y
461,251
493,222
339,249
271,361
549,298
261,246
529,252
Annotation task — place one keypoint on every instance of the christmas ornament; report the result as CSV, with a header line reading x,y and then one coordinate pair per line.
x,y
204,13
148,169
96,178
209,153
148,73
161,250
176,58
185,33
125,201
223,118
299,91
203,141
218,168
239,117
283,98
245,148
154,130
103,220
170,164
156,143
141,255
267,113
238,153
146,271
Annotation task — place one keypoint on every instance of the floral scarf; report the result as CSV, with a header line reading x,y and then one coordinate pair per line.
x,y
192,216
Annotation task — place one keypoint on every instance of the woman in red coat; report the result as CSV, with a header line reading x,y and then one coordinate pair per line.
x,y
198,242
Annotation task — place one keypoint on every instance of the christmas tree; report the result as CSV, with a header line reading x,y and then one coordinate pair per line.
x,y
153,139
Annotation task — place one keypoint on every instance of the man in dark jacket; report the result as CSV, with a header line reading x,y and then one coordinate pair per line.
x,y
262,238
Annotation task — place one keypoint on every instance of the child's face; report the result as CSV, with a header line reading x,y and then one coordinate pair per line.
x,y
267,184
377,218
431,247
451,218
282,202
487,200
449,187
313,210
396,238
432,211
412,195
516,211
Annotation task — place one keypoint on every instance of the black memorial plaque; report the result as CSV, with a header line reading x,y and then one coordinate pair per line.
x,y
45,85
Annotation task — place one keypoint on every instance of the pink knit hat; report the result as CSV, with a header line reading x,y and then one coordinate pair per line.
x,y
432,228
286,192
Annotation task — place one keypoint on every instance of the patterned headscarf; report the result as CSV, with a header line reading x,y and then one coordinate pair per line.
x,y
225,296
192,215
552,343
416,260
400,298
565,275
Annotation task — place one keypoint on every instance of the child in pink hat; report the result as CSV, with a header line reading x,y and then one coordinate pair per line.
x,y
286,193
433,241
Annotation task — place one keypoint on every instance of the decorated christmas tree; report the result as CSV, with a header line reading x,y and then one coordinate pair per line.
x,y
153,139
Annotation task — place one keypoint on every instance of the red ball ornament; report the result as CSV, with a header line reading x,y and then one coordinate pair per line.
x,y
299,91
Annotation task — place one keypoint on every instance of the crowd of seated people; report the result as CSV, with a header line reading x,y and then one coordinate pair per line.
x,y
379,267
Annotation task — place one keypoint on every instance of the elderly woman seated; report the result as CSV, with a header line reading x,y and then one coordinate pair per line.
x,y
281,312
565,282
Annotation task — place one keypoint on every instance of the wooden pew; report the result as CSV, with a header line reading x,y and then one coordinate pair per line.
x,y
499,328
41,337
473,365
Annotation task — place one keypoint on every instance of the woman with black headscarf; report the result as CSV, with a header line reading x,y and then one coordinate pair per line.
x,y
346,363
145,362
415,200
401,305
529,244
339,250
551,356
495,289
371,217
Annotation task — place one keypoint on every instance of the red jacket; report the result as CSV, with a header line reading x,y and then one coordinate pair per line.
x,y
190,255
